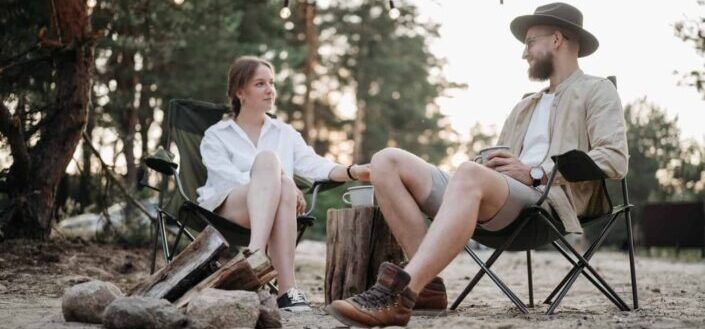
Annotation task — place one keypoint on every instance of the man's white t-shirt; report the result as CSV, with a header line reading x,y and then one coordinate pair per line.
x,y
535,145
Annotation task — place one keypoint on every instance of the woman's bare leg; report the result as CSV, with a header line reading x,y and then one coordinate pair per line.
x,y
246,205
273,221
282,241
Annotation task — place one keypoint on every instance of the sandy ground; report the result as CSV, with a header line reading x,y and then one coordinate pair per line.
x,y
672,293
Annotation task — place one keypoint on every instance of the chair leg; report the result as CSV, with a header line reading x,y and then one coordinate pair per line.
x,y
484,268
587,275
588,254
475,279
519,304
299,235
531,281
154,248
165,243
632,269
272,288
583,263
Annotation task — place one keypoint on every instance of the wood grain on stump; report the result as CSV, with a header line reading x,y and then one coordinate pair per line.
x,y
357,242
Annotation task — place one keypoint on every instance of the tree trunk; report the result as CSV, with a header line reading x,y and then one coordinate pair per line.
x,y
126,81
358,132
85,193
308,12
361,94
33,183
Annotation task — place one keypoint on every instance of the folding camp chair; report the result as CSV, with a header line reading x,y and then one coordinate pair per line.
x,y
187,121
574,166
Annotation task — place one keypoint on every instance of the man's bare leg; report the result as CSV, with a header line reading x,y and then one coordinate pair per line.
x,y
473,192
402,181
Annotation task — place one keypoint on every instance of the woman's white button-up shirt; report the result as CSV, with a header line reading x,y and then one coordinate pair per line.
x,y
228,155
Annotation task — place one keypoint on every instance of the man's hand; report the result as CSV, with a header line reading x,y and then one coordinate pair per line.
x,y
361,172
504,162
300,202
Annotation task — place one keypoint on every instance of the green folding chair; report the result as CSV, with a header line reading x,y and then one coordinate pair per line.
x,y
187,121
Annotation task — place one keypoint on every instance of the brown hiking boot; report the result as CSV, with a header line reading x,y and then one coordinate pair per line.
x,y
432,299
387,303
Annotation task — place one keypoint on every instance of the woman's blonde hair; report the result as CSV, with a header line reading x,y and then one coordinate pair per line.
x,y
241,72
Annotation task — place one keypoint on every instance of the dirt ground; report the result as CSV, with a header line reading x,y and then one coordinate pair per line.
x,y
671,293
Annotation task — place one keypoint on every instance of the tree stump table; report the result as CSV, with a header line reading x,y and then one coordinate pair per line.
x,y
357,242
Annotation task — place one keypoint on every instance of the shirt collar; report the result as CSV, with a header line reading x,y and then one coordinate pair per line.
x,y
269,123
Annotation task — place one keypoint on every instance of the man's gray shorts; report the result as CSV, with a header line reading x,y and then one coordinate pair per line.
x,y
496,230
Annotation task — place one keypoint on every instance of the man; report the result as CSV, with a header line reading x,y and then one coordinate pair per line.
x,y
576,111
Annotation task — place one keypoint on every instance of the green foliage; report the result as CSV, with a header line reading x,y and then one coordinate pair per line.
x,y
331,199
25,69
662,167
693,31
154,51
388,65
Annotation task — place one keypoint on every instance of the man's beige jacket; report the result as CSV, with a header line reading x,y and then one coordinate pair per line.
x,y
586,115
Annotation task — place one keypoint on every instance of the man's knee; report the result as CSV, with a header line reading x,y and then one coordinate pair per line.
x,y
383,162
469,177
387,156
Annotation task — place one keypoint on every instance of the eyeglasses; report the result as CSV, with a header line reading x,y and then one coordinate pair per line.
x,y
530,41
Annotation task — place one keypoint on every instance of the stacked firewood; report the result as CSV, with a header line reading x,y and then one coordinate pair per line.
x,y
193,290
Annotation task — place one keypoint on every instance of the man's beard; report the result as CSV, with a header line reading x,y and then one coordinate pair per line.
x,y
542,68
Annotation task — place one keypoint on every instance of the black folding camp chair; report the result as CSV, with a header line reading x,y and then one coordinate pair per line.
x,y
575,166
187,121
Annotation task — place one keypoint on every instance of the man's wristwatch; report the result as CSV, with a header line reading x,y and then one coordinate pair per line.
x,y
536,175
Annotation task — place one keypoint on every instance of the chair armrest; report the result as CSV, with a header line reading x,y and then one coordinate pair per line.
x,y
574,166
577,166
319,186
323,185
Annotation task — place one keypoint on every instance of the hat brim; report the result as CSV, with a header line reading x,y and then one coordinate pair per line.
x,y
521,24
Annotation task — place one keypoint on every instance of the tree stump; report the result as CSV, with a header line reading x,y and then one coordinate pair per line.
x,y
357,242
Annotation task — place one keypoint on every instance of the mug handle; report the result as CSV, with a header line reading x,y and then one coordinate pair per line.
x,y
346,201
477,159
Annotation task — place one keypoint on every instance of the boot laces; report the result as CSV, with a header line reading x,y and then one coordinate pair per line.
x,y
375,297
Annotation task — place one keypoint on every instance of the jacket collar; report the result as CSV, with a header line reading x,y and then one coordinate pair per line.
x,y
561,86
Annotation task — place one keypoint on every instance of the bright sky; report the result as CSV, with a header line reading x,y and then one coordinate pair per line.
x,y
637,44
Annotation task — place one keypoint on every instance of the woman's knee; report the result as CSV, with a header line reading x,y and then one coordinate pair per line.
x,y
289,190
267,161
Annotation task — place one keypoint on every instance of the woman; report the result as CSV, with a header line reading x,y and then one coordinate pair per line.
x,y
251,160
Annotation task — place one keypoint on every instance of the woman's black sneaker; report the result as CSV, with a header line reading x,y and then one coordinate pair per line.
x,y
293,300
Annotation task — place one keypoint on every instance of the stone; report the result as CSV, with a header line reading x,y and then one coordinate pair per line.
x,y
143,312
269,316
216,308
71,280
85,302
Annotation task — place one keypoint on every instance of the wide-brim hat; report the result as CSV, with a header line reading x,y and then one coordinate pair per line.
x,y
561,15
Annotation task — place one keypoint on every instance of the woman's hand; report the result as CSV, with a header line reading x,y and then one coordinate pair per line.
x,y
300,202
361,172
